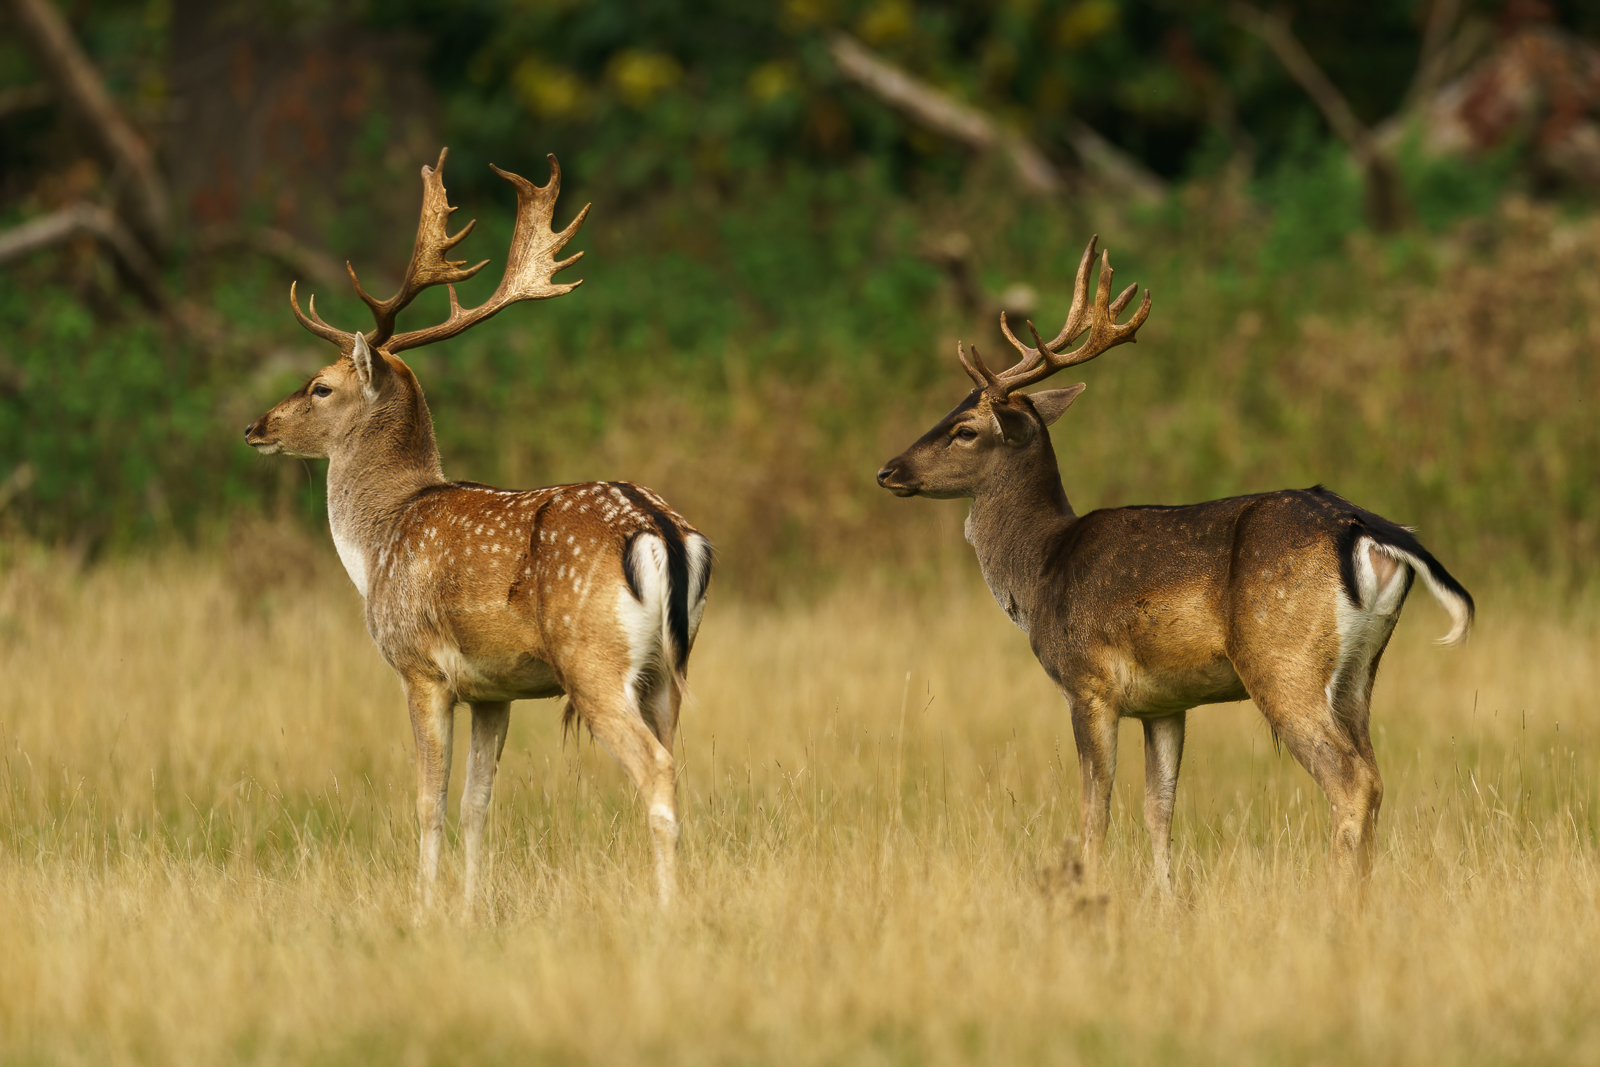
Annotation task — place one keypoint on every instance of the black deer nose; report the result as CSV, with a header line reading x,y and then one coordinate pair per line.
x,y
883,475
248,430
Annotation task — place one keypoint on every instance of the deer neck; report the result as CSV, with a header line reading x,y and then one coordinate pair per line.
x,y
376,470
1014,515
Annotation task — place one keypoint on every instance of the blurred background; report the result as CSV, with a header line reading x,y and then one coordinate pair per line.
x,y
1369,230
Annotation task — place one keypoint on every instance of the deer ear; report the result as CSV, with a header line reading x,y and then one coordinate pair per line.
x,y
1017,428
1052,402
370,369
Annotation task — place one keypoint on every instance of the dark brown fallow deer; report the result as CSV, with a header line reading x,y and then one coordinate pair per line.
x,y
483,596
1285,598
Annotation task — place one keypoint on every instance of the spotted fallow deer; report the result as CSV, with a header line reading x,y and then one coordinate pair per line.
x,y
483,596
1287,598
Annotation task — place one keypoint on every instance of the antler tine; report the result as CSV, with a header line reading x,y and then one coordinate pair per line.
x,y
977,370
530,263
1122,300
1104,332
1030,356
1080,297
428,266
1042,346
1042,351
314,323
1069,329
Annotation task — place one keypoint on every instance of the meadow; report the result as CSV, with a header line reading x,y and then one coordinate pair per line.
x,y
207,840
207,845
207,849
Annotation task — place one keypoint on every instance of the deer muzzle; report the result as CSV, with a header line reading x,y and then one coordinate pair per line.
x,y
254,436
890,478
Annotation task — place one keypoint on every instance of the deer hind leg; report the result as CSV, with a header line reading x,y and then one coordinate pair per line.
x,y
658,703
432,709
1363,634
612,711
1163,754
489,725
1305,720
1355,721
1350,697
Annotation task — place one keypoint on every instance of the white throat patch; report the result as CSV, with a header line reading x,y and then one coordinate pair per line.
x,y
353,558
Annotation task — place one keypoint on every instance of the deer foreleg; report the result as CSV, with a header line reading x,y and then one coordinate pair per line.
x,y
1163,753
489,725
1094,729
432,713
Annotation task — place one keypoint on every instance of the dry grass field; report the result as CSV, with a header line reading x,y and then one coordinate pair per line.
x,y
206,851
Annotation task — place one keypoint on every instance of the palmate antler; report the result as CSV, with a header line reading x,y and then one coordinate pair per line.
x,y
1040,362
530,265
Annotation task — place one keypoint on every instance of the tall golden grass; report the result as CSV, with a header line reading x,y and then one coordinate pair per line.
x,y
207,851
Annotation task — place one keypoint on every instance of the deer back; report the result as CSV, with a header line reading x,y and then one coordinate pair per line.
x,y
491,582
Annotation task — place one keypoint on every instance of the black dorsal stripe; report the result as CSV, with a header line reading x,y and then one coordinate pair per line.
x,y
677,572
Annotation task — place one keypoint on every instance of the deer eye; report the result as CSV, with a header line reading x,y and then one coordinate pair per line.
x,y
966,433
321,390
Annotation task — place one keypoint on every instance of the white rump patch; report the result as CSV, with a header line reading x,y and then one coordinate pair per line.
x,y
1454,606
699,552
1364,627
644,620
1381,594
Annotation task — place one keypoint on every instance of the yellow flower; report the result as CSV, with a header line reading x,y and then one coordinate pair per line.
x,y
771,81
887,20
549,91
641,76
1083,22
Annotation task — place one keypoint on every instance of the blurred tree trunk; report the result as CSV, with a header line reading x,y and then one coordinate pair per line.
x,y
1386,206
73,78
136,231
943,114
273,118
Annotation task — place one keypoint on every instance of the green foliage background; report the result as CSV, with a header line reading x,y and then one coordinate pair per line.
x,y
760,327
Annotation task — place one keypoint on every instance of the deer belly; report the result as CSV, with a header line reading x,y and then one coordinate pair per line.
x,y
495,676
1153,691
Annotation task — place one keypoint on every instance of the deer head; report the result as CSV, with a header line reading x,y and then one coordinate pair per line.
x,y
369,388
998,424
